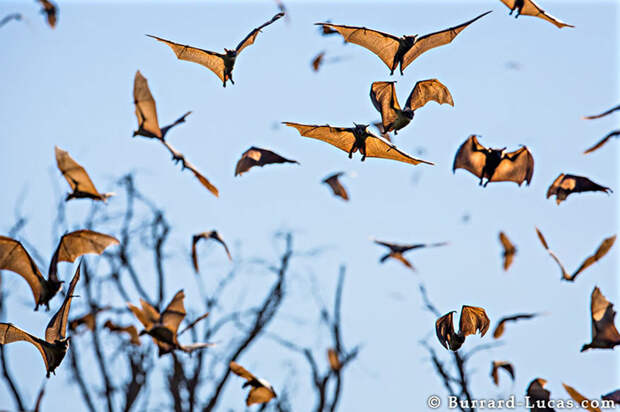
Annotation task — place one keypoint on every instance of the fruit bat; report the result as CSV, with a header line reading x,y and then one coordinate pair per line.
x,y
220,64
602,250
538,396
604,140
501,325
397,251
565,184
334,361
320,59
612,396
255,156
604,332
393,118
605,113
129,330
9,17
79,181
392,50
88,320
261,391
206,235
56,343
509,250
495,165
352,139
496,366
14,257
580,399
50,10
336,186
529,8
473,319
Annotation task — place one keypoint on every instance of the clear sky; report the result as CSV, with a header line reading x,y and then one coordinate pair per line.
x,y
72,87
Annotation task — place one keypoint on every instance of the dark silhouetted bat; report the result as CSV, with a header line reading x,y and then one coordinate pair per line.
x,y
605,113
397,251
602,250
220,64
604,140
496,366
538,396
509,250
261,391
336,186
255,156
501,325
580,399
392,50
9,17
393,118
334,360
612,396
129,330
56,343
565,184
529,8
88,320
473,319
604,332
79,181
50,10
13,257
494,164
352,139
206,235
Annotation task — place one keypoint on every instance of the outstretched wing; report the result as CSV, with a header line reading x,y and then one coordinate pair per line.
x,y
531,9
427,90
340,137
383,97
165,129
473,319
174,313
260,394
580,399
336,186
578,184
432,40
381,148
74,173
604,140
130,330
10,334
444,329
546,246
605,113
13,257
384,45
256,156
146,110
471,156
509,250
517,166
499,329
57,327
240,371
600,252
495,366
249,39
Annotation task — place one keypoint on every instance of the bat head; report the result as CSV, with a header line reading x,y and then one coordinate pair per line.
x,y
410,39
408,113
231,53
361,127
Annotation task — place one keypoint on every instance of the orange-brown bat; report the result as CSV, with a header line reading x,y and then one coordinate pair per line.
x,y
496,366
604,140
9,17
129,330
580,399
206,235
334,360
529,8
604,332
509,250
473,319
612,396
397,251
261,391
336,186
50,10
605,113
320,59
395,51
56,343
602,250
255,156
496,165
88,320
352,139
393,118
14,257
538,396
501,325
79,181
565,184
220,64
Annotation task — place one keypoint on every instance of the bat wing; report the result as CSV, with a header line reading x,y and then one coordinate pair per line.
x,y
432,40
147,316
259,394
531,9
582,184
316,62
612,396
174,313
383,97
57,327
340,137
426,90
473,319
249,39
517,166
74,173
470,156
13,257
146,110
240,371
211,60
499,329
256,156
195,240
203,180
165,129
600,252
509,250
580,399
336,186
381,148
604,140
384,45
10,334
195,346
50,11
216,236
605,113
444,329
130,330
334,361
546,246
496,366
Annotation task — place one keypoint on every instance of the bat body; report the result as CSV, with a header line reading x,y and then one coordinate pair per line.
x,y
255,156
494,165
397,251
496,366
538,396
604,140
352,139
79,181
529,8
337,187
473,320
393,118
220,64
261,391
50,10
580,399
501,325
604,332
509,250
206,235
566,184
392,50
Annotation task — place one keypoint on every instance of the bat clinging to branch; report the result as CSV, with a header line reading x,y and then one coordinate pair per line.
x,y
397,251
604,332
255,156
509,250
79,181
336,186
261,391
206,235
473,320
501,325
529,8
565,184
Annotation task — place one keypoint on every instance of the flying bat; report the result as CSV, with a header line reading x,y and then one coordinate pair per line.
x,y
334,360
605,113
473,319
604,140
220,64
261,391
393,118
255,156
612,396
88,320
495,165
509,250
602,250
565,184
352,139
392,50
9,17
496,366
206,235
529,8
501,325
50,10
604,332
538,396
397,251
320,59
580,399
14,257
336,186
129,330
56,343
79,181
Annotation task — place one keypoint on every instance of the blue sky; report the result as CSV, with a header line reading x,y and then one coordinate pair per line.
x,y
72,87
